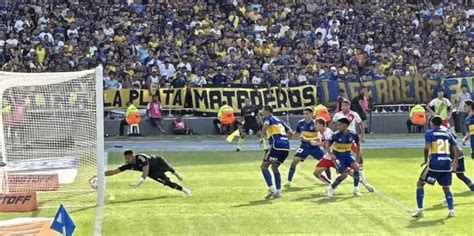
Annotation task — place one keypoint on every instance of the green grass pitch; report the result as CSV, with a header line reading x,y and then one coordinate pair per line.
x,y
228,191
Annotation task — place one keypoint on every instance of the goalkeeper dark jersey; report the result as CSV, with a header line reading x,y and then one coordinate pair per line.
x,y
157,164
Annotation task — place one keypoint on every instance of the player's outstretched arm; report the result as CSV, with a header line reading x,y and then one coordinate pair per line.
x,y
357,151
464,140
362,132
146,170
327,147
264,132
426,154
112,172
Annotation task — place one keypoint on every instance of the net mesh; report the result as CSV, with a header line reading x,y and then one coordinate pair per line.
x,y
49,138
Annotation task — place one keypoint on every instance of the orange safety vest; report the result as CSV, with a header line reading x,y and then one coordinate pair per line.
x,y
134,118
418,118
322,113
227,117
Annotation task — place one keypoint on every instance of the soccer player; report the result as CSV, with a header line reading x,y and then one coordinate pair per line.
x,y
277,134
469,105
441,106
326,162
341,143
470,129
354,119
152,166
461,166
439,144
310,142
250,122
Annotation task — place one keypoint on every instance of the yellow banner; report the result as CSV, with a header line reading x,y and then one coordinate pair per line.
x,y
170,98
281,99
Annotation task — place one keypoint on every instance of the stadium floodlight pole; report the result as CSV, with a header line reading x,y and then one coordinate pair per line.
x,y
100,151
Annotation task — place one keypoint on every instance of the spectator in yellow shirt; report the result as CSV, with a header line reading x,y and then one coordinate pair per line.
x,y
40,54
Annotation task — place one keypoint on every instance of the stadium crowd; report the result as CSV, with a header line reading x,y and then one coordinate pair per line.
x,y
174,43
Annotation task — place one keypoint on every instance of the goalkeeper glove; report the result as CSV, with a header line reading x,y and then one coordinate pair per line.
x,y
138,182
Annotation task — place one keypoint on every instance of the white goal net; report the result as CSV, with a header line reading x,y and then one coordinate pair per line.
x,y
51,139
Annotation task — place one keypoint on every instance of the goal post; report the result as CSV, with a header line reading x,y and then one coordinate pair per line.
x,y
51,136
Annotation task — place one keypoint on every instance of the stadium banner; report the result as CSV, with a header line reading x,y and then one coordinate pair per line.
x,y
33,182
452,86
170,98
208,100
27,226
390,90
16,202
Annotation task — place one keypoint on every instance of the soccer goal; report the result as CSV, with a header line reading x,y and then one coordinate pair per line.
x,y
51,136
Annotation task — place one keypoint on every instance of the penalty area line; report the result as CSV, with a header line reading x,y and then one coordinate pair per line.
x,y
393,200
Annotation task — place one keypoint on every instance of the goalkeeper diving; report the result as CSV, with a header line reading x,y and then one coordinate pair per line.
x,y
154,167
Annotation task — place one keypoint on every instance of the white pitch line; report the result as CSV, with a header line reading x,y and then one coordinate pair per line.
x,y
393,200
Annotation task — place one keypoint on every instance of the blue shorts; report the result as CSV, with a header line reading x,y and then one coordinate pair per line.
x,y
275,156
431,177
343,161
461,168
303,153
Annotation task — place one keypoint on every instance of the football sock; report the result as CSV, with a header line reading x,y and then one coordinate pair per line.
x,y
420,193
449,200
291,172
324,179
361,172
240,142
466,180
277,180
174,186
336,182
267,176
356,178
328,173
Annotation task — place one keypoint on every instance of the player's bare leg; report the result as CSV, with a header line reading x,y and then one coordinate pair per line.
x,y
466,180
363,180
241,139
318,173
292,170
420,194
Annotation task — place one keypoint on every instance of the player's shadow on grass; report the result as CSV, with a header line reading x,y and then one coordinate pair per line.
x,y
334,199
255,203
419,223
441,206
136,200
296,189
322,198
464,194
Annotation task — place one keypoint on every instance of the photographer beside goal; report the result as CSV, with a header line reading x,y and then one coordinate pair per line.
x,y
152,166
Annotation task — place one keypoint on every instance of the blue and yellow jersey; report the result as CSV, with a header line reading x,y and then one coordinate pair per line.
x,y
470,128
440,142
307,130
342,142
461,153
277,133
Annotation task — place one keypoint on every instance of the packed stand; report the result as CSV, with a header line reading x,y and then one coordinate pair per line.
x,y
156,44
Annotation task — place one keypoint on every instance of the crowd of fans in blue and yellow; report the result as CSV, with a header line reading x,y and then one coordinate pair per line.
x,y
170,43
